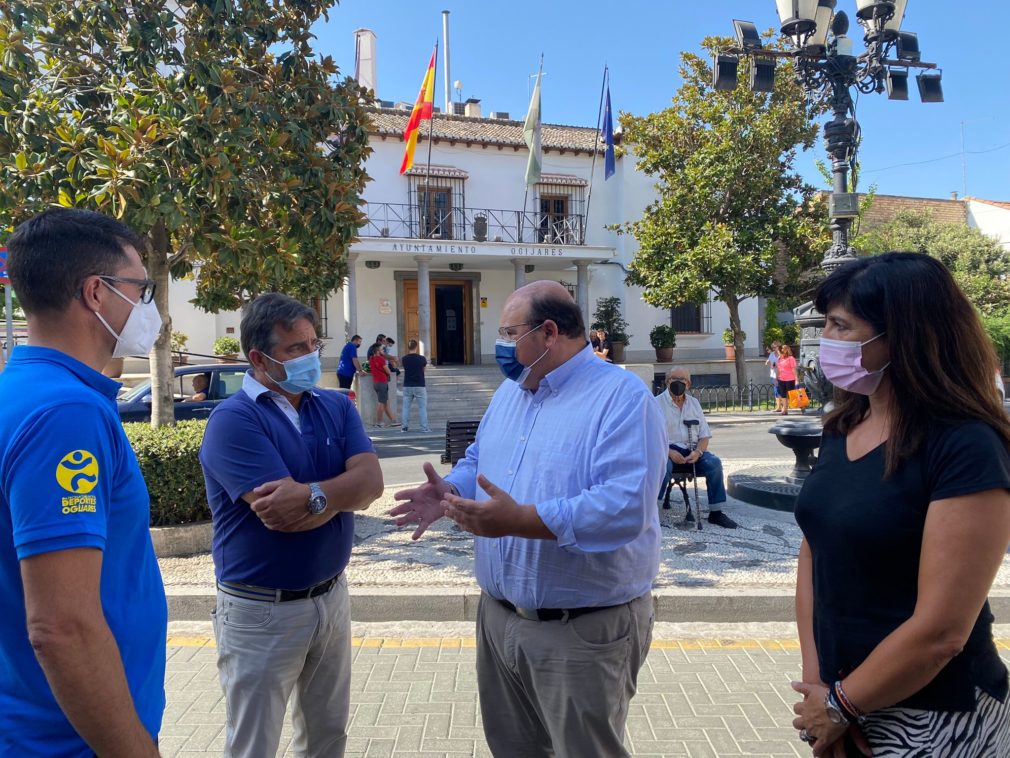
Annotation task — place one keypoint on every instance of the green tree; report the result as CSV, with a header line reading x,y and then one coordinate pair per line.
x,y
978,262
209,126
732,216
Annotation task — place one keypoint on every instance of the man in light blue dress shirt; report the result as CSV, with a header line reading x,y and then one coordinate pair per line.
x,y
560,490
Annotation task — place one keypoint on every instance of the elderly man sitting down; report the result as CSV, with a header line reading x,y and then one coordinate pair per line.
x,y
678,407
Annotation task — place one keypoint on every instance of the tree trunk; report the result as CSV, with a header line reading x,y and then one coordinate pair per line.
x,y
733,306
162,371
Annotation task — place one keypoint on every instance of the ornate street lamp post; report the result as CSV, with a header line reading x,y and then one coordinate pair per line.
x,y
828,68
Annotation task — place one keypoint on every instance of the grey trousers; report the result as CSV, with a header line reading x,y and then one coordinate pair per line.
x,y
560,688
269,652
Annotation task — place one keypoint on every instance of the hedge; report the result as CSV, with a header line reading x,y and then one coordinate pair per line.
x,y
169,461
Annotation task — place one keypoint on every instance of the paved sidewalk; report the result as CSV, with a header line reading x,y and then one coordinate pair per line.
x,y
703,696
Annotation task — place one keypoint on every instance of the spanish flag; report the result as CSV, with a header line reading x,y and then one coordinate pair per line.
x,y
422,110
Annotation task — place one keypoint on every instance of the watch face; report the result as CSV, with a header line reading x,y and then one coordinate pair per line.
x,y
317,505
835,715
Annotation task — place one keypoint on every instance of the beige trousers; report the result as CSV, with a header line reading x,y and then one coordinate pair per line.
x,y
269,652
560,688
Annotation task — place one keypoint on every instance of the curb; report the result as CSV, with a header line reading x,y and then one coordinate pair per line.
x,y
737,605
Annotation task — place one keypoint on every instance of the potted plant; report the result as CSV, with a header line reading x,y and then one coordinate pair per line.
x,y
664,339
608,317
179,340
727,340
226,349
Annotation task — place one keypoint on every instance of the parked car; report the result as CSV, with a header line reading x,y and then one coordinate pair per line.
x,y
223,380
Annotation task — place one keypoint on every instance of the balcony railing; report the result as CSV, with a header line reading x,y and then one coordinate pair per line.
x,y
406,221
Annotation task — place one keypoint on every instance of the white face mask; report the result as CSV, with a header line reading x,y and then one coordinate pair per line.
x,y
140,330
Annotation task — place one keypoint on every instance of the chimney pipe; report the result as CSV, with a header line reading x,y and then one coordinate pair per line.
x,y
445,61
364,59
953,196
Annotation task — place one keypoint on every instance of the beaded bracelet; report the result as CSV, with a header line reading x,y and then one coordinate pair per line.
x,y
847,706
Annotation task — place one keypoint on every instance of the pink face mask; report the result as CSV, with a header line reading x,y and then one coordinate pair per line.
x,y
842,364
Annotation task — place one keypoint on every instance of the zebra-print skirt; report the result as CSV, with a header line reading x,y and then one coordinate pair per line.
x,y
914,733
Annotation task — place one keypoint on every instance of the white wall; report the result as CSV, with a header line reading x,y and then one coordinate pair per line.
x,y
991,220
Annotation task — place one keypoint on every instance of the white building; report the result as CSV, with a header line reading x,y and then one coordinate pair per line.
x,y
442,249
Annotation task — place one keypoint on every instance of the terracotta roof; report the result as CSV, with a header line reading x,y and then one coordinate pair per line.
x,y
386,122
997,203
884,208
450,172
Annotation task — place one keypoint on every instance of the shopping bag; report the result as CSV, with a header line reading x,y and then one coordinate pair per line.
x,y
798,398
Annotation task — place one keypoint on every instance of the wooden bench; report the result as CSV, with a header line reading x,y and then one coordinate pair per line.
x,y
459,433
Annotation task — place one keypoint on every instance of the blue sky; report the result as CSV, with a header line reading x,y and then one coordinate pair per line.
x,y
909,148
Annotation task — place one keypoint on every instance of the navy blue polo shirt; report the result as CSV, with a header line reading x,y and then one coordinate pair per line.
x,y
69,479
346,365
250,442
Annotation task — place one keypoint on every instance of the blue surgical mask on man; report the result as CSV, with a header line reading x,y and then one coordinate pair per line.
x,y
505,355
303,373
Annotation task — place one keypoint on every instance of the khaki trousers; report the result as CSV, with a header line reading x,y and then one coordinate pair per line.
x,y
270,652
560,688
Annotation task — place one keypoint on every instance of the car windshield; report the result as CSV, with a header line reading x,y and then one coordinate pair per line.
x,y
135,393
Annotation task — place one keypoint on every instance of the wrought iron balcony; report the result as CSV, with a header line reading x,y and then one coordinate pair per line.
x,y
406,221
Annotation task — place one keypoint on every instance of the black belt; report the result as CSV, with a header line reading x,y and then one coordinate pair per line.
x,y
553,614
267,594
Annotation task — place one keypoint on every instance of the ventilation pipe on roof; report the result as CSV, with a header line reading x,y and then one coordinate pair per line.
x,y
364,58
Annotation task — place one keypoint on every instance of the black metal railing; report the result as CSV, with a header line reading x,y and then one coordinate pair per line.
x,y
406,221
750,397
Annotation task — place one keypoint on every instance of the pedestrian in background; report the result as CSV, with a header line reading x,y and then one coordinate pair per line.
x,y
286,465
785,368
906,520
560,491
379,367
349,365
413,387
772,363
83,615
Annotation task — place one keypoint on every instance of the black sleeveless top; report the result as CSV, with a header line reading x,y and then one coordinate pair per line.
x,y
865,535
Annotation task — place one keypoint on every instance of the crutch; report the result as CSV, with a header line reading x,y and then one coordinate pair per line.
x,y
692,445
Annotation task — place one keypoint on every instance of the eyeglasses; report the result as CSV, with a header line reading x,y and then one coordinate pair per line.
x,y
505,332
147,286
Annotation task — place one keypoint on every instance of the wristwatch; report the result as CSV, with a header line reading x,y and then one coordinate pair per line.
x,y
317,499
835,714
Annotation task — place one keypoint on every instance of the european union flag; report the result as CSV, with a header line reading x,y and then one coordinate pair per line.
x,y
609,167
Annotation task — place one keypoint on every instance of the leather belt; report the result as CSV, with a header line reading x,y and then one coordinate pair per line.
x,y
270,595
552,614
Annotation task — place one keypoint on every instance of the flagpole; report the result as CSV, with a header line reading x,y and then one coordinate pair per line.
x,y
431,124
522,218
596,144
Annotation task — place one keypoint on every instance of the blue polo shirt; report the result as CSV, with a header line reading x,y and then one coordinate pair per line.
x,y
250,441
347,356
69,479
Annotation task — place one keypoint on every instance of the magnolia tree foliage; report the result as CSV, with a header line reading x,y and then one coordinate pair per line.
x,y
978,262
732,216
209,126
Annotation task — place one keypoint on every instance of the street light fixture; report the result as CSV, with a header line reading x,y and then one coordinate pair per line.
x,y
827,67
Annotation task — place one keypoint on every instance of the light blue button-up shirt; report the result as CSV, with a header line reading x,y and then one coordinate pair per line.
x,y
588,449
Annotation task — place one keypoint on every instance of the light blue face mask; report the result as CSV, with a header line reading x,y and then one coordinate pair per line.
x,y
505,355
303,373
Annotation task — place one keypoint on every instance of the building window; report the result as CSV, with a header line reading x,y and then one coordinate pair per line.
x,y
554,220
435,211
318,304
436,203
691,318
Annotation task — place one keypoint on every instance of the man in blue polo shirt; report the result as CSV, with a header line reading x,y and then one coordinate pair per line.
x,y
285,466
82,606
349,364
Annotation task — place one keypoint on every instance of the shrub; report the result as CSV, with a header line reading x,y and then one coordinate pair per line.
x,y
169,460
662,335
226,346
608,316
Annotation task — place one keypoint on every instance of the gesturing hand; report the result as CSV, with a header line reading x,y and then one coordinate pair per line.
x,y
421,505
498,517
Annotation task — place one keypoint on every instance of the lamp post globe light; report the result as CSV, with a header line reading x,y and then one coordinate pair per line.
x,y
828,68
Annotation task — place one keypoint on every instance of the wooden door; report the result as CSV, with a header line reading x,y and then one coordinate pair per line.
x,y
411,330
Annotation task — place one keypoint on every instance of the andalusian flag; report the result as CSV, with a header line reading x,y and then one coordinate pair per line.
x,y
422,110
531,136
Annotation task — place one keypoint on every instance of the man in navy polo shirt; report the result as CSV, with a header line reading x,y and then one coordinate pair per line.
x,y
285,466
349,364
82,606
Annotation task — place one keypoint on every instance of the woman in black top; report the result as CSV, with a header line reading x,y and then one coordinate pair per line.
x,y
906,520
